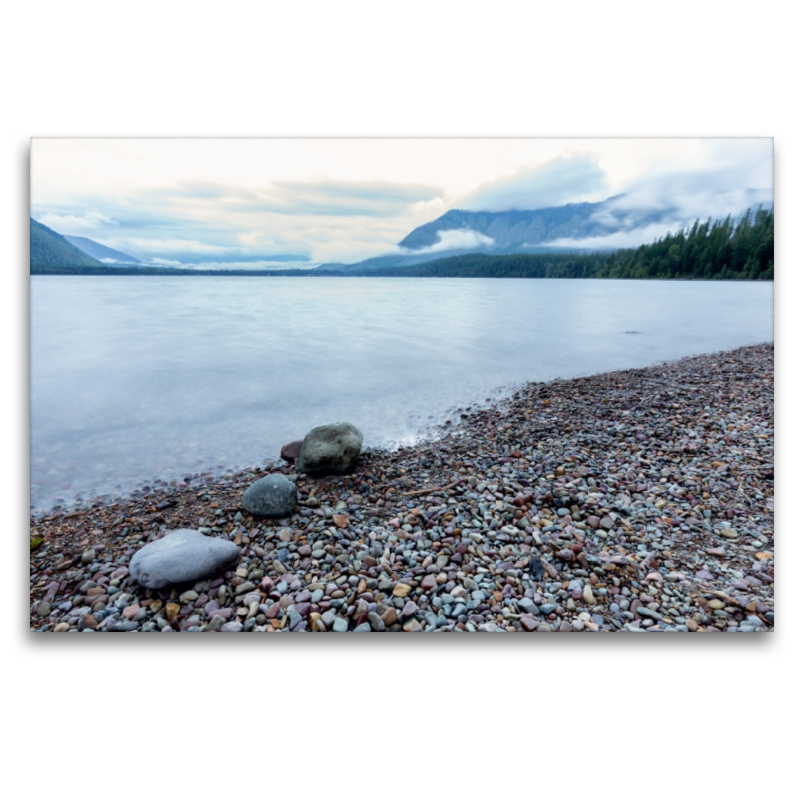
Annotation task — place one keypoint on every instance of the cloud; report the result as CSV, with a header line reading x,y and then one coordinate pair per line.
x,y
463,239
73,224
736,174
283,222
322,197
241,259
659,205
173,245
373,198
201,221
562,180
222,264
191,253
632,237
693,187
673,202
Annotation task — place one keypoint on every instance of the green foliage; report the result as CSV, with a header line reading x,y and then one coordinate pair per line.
x,y
52,254
718,251
51,250
706,251
104,270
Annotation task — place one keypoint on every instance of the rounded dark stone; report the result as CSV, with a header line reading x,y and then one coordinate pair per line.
x,y
273,496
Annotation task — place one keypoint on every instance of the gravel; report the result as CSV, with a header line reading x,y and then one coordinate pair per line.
x,y
633,501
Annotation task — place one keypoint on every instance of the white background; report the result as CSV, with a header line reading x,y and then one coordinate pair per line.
x,y
617,716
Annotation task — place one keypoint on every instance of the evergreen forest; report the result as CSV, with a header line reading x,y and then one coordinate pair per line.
x,y
719,250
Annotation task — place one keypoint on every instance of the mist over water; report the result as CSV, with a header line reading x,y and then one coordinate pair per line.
x,y
135,378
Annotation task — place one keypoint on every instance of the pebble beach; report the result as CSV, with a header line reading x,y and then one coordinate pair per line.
x,y
633,501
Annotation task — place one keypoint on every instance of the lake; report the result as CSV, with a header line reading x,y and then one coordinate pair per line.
x,y
135,378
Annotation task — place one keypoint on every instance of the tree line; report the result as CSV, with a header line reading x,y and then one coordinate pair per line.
x,y
719,250
104,270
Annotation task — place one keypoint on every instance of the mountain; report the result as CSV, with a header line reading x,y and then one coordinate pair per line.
x,y
51,249
572,228
518,228
460,232
101,252
722,250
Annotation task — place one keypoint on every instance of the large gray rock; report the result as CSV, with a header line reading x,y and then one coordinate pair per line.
x,y
181,556
331,448
273,496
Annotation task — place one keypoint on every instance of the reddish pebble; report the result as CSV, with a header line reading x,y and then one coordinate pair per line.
x,y
291,452
429,582
273,611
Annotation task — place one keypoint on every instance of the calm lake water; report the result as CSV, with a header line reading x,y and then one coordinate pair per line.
x,y
142,378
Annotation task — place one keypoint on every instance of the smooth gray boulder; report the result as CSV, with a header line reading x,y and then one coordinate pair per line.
x,y
181,556
273,496
331,448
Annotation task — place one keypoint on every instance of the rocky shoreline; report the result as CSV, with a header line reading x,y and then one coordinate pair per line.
x,y
633,501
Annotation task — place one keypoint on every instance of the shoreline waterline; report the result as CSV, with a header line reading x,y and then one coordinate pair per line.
x,y
131,385
447,423
432,432
636,500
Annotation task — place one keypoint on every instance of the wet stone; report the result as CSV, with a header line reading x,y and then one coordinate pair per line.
x,y
545,527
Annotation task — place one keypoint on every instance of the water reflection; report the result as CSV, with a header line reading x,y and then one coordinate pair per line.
x,y
138,377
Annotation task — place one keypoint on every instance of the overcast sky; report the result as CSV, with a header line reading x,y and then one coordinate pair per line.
x,y
297,202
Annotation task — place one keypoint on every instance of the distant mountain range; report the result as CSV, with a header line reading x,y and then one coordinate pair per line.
x,y
516,228
54,251
102,253
572,228
553,230
51,249
495,232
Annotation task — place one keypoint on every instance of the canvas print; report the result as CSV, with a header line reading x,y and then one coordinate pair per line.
x,y
401,385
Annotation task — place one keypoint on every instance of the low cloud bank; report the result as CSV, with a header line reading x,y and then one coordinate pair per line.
x,y
464,239
619,239
310,222
737,176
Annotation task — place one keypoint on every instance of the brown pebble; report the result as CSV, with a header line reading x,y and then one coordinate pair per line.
x,y
291,452
389,617
88,621
506,438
